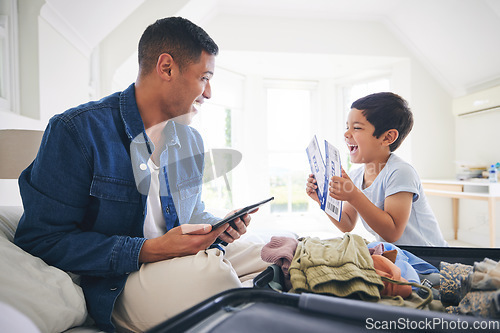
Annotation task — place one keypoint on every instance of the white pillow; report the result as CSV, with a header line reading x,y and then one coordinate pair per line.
x,y
12,320
45,294
9,218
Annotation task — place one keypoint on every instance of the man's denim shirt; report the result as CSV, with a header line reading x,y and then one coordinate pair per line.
x,y
84,195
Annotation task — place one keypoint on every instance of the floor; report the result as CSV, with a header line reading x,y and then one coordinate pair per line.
x,y
459,243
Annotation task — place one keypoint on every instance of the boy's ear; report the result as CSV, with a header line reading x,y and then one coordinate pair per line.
x,y
390,136
164,66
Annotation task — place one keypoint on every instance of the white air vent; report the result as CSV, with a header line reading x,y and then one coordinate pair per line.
x,y
482,101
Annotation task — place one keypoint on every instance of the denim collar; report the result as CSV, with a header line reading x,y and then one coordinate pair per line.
x,y
130,113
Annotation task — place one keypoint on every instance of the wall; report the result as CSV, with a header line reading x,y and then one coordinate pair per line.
x,y
477,141
60,75
117,47
430,103
64,73
432,139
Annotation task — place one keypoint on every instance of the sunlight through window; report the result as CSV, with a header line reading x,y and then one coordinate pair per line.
x,y
289,113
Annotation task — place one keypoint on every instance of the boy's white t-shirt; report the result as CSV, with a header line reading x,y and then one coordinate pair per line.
x,y
422,228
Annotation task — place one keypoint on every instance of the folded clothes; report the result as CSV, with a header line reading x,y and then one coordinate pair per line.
x,y
487,265
380,250
403,261
377,249
386,268
478,303
455,282
280,251
391,255
486,275
419,265
341,266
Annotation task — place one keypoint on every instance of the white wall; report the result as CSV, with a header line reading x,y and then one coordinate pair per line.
x,y
64,73
61,73
477,141
63,76
433,133
120,43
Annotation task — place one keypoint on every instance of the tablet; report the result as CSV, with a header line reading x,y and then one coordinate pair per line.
x,y
241,212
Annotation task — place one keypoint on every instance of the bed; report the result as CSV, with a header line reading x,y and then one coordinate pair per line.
x,y
34,297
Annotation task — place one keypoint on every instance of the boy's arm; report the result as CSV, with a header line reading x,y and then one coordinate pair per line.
x,y
347,219
389,223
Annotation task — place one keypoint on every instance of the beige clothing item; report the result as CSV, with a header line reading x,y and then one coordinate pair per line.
x,y
341,266
486,275
415,302
161,290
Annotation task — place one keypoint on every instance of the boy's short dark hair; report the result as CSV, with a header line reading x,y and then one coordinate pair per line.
x,y
386,111
177,36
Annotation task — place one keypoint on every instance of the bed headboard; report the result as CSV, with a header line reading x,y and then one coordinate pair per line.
x,y
18,148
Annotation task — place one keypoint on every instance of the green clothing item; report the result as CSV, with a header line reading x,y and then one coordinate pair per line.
x,y
341,266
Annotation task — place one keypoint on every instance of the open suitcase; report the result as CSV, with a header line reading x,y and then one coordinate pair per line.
x,y
262,309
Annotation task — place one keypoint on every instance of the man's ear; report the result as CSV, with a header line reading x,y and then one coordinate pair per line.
x,y
390,136
164,66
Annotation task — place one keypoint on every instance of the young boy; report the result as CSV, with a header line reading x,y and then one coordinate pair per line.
x,y
386,191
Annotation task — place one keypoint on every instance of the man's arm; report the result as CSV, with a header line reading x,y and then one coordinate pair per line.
x,y
61,224
178,243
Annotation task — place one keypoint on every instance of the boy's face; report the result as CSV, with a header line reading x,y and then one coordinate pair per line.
x,y
363,146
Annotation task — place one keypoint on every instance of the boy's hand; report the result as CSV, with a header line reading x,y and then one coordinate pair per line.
x,y
342,188
311,188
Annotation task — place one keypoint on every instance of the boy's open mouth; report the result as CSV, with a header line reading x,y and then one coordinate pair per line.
x,y
352,148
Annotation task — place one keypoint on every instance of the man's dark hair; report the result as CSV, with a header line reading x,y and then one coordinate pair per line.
x,y
386,111
179,37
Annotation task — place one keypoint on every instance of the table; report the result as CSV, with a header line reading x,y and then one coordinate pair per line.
x,y
474,190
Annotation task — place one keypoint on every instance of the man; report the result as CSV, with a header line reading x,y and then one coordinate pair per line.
x,y
114,192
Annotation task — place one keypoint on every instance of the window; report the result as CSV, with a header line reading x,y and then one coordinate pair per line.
x,y
215,124
288,117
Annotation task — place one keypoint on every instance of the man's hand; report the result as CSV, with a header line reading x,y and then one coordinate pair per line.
x,y
234,229
180,241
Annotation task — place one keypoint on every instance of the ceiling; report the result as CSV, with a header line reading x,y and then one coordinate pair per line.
x,y
458,41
